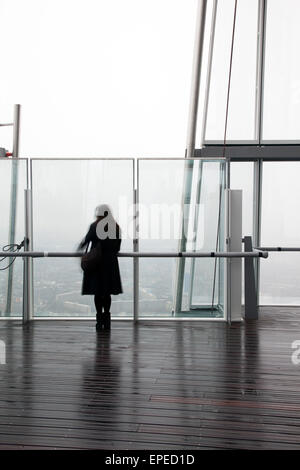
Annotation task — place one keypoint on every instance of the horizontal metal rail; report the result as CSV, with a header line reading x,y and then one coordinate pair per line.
x,y
131,254
278,248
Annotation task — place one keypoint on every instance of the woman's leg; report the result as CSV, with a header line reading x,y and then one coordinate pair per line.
x,y
98,303
106,316
103,301
106,303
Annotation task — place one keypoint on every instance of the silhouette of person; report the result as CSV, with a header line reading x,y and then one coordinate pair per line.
x,y
106,280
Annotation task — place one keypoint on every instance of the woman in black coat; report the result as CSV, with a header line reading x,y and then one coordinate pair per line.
x,y
106,280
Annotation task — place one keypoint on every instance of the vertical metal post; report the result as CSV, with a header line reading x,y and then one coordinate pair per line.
x,y
28,262
260,69
203,132
136,260
190,148
251,310
234,280
257,204
209,67
227,244
259,107
196,76
16,130
13,202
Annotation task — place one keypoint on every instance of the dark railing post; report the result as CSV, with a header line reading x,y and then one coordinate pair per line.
x,y
251,310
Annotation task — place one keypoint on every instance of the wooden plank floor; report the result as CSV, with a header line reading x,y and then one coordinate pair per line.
x,y
164,385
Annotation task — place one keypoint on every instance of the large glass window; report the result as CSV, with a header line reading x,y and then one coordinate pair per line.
x,y
282,71
243,82
280,273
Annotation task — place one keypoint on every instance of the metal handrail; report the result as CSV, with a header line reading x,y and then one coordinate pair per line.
x,y
277,248
186,254
27,255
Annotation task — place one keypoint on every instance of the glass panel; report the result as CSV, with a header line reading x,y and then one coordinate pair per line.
x,y
161,186
13,184
65,194
282,71
280,273
241,117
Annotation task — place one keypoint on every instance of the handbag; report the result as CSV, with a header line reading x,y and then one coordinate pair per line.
x,y
91,260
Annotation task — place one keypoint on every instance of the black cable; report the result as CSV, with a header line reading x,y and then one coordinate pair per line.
x,y
14,248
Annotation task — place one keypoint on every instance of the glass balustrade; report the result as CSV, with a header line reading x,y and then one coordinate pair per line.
x,y
180,208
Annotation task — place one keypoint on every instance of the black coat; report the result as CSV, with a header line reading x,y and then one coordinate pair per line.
x,y
107,279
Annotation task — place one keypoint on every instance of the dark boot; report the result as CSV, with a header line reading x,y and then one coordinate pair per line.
x,y
99,319
106,321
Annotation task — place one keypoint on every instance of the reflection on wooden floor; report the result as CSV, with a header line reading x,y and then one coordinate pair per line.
x,y
159,385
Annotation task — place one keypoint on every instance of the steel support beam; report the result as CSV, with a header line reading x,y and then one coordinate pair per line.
x,y
260,70
246,152
259,109
190,147
196,77
28,261
209,67
257,204
136,260
13,203
203,132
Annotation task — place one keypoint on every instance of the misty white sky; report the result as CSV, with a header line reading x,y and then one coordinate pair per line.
x,y
98,77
